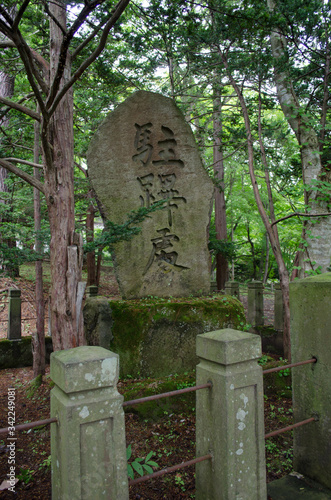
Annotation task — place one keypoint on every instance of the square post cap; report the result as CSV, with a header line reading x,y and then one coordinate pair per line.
x,y
228,346
84,368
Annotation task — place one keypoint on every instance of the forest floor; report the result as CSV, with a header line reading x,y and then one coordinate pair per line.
x,y
168,429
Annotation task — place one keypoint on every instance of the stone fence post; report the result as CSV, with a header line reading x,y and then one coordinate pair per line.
x,y
88,441
232,288
278,309
310,300
230,418
255,303
14,329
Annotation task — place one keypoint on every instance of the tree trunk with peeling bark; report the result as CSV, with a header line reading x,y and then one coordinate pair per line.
x,y
317,235
65,245
52,86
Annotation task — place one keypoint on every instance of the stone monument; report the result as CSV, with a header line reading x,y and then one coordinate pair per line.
x,y
142,153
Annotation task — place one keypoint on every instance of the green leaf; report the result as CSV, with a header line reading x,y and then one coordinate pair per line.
x,y
130,472
149,456
148,468
138,468
152,463
128,452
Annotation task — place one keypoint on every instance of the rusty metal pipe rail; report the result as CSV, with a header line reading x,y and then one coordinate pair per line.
x,y
169,469
29,425
167,394
290,427
292,365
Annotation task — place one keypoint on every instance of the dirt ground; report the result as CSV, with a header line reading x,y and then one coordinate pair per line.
x,y
171,436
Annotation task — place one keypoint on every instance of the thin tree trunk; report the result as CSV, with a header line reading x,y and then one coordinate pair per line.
x,y
274,241
90,256
6,90
38,340
222,269
252,251
267,254
326,93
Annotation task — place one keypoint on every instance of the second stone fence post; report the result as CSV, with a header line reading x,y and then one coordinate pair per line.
x,y
232,288
14,331
255,303
230,418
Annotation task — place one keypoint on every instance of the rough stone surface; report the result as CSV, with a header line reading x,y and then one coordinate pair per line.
x,y
142,153
145,331
84,368
230,419
279,309
255,303
14,331
296,486
88,442
98,321
311,336
232,288
17,353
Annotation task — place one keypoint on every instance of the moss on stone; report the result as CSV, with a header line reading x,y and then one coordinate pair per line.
x,y
18,353
155,336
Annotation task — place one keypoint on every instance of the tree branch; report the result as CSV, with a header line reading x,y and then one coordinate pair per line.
x,y
119,9
6,16
31,70
40,60
21,108
67,38
19,15
7,44
27,97
24,162
23,175
299,214
86,41
27,54
54,19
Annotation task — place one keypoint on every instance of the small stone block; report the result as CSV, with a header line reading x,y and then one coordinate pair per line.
x,y
84,368
92,291
255,284
228,346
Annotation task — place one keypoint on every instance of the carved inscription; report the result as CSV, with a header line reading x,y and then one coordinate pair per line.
x,y
167,151
142,143
160,188
166,260
157,186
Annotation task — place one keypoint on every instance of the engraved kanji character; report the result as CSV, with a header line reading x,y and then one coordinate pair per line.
x,y
164,259
167,150
170,194
142,144
146,184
